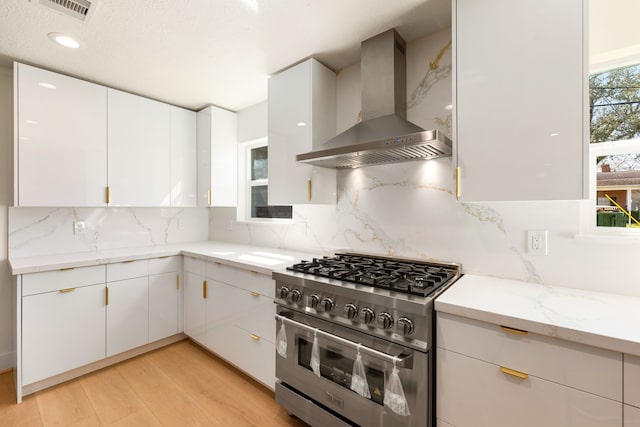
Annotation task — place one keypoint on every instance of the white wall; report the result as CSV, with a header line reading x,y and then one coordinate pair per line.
x,y
6,199
409,209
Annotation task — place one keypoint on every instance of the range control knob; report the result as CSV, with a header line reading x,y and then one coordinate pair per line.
x,y
294,296
350,310
367,315
327,304
405,326
314,301
283,292
385,320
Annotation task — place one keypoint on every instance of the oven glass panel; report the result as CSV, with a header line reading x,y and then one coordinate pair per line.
x,y
338,368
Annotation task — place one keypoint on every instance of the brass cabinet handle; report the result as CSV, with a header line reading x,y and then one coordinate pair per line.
x,y
204,289
514,373
64,291
309,189
67,268
255,294
209,197
177,281
128,261
108,194
255,337
106,296
458,182
513,330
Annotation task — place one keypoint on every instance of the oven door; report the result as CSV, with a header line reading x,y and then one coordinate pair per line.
x,y
338,347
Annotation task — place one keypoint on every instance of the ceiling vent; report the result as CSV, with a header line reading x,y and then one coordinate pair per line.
x,y
78,9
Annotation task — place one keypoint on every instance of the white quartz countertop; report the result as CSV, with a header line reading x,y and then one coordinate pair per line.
x,y
603,320
259,259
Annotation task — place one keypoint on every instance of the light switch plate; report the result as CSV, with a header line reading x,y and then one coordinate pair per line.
x,y
78,227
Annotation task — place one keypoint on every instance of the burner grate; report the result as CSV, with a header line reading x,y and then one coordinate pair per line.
x,y
411,277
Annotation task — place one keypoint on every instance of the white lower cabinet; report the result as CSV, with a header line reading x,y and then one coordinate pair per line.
x,y
195,303
231,312
127,315
62,330
164,293
474,393
503,376
631,416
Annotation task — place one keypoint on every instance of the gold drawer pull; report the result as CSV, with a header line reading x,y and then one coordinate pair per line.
x,y
67,268
106,296
128,261
255,294
514,330
177,281
64,291
309,189
255,337
514,373
204,289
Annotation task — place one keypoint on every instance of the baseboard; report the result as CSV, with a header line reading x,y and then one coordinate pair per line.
x,y
6,361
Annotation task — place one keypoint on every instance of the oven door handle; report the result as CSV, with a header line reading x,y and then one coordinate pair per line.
x,y
402,361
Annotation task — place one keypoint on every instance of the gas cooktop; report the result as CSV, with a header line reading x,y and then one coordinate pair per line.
x,y
406,276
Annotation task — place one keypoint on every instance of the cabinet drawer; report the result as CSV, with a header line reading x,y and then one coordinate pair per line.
x,y
632,380
127,270
195,266
256,282
47,281
258,358
221,273
163,265
259,316
631,416
492,398
584,367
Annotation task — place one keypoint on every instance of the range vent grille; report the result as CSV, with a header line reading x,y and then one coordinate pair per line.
x,y
78,9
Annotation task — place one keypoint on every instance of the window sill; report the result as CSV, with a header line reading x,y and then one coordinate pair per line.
x,y
265,221
622,236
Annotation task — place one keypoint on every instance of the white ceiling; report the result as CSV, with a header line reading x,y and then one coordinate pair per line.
x,y
198,52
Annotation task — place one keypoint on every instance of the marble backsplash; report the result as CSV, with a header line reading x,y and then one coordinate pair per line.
x,y
45,231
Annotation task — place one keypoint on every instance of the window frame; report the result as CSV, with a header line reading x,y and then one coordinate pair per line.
x,y
244,190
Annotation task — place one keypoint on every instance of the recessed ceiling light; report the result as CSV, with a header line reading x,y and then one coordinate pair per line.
x,y
31,122
301,124
64,40
46,85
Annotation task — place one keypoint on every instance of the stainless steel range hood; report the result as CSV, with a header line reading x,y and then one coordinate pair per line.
x,y
384,135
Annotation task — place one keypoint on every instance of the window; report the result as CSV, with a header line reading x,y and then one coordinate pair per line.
x,y
615,146
257,172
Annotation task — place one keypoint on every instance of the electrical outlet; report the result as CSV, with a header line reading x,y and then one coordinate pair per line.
x,y
537,242
78,227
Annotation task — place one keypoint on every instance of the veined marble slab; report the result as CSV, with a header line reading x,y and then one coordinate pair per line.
x,y
599,319
260,259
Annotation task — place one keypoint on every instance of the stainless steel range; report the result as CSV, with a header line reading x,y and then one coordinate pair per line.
x,y
355,339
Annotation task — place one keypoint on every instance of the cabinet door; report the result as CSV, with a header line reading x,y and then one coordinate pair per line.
x,y
492,398
223,308
299,99
631,381
195,307
520,99
62,330
62,140
139,150
183,157
217,157
163,305
127,315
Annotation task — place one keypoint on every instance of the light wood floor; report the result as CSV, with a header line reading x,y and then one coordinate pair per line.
x,y
178,385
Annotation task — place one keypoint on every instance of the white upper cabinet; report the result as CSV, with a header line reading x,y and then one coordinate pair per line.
x,y
183,157
61,139
302,102
139,150
217,157
520,99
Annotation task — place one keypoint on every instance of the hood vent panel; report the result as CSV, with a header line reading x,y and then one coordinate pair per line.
x,y
384,135
423,145
78,9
